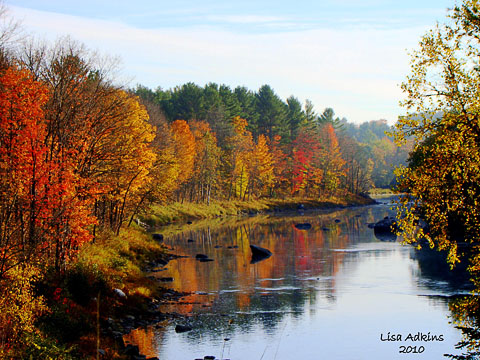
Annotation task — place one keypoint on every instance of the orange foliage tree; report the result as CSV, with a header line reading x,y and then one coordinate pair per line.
x,y
26,197
305,171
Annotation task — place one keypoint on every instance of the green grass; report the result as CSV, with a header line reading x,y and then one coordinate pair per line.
x,y
120,258
181,212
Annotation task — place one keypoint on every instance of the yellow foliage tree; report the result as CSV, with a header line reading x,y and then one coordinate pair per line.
x,y
19,309
443,103
184,149
241,148
260,167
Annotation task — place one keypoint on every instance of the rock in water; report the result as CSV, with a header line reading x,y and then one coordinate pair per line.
x,y
259,254
304,226
384,230
387,225
182,328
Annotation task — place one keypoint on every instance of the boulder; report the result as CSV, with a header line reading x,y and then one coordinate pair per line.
x,y
259,254
119,293
387,225
303,226
384,230
182,328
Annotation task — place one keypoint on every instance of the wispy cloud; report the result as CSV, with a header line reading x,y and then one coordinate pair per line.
x,y
355,71
246,19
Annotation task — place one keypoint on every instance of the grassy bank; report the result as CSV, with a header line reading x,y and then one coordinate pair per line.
x,y
379,192
99,297
181,212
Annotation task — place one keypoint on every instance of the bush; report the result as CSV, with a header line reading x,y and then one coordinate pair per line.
x,y
19,309
84,282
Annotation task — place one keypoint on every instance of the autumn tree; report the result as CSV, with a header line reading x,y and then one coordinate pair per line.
x,y
96,132
260,168
206,165
443,118
26,197
130,171
358,165
184,148
163,173
280,161
306,174
332,161
238,158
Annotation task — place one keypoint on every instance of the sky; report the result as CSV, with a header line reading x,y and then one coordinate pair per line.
x,y
350,55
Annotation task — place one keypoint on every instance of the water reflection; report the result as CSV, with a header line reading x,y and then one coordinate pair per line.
x,y
329,291
466,315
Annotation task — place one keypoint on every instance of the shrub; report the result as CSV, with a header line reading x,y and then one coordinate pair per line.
x,y
19,309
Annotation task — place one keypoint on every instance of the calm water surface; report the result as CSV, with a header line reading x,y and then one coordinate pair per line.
x,y
331,292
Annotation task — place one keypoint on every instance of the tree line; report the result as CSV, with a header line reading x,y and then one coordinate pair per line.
x,y
368,152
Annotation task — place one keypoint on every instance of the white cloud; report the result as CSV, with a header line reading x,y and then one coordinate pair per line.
x,y
246,19
356,72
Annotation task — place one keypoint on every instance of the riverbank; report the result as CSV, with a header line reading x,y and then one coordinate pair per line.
x,y
98,298
182,212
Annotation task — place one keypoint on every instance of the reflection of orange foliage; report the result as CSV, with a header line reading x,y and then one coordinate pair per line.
x,y
293,251
145,339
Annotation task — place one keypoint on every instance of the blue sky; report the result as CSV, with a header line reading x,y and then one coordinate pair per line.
x,y
345,54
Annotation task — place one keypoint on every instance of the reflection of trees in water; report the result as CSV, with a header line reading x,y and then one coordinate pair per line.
x,y
466,317
433,266
465,310
301,271
269,290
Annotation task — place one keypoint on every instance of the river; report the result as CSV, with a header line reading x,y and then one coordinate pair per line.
x,y
333,291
